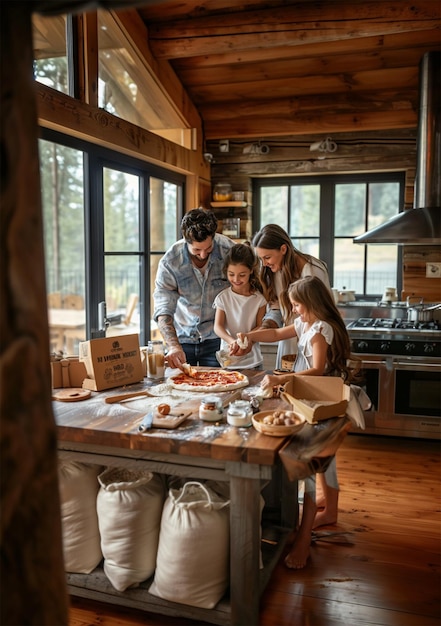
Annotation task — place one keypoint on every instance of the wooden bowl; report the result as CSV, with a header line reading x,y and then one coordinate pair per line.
x,y
276,430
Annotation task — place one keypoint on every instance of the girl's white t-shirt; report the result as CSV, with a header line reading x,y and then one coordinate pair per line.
x,y
240,317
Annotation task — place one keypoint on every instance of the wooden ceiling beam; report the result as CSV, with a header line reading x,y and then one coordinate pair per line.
x,y
292,25
320,84
320,122
231,74
379,43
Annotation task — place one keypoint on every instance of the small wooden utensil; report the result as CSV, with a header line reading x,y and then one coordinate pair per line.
x,y
125,396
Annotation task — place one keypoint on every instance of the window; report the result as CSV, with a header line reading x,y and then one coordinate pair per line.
x,y
322,216
108,219
50,52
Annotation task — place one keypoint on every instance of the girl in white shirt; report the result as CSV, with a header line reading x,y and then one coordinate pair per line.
x,y
240,306
324,348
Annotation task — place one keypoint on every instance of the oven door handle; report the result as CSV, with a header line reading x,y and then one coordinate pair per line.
x,y
417,367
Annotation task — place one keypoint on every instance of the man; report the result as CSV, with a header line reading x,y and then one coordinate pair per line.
x,y
189,277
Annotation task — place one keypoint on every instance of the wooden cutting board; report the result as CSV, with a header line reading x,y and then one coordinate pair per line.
x,y
171,421
71,394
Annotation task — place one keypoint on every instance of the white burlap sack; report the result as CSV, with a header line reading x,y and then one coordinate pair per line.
x,y
129,509
193,555
78,485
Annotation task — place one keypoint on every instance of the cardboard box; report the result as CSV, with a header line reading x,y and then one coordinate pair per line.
x,y
68,372
111,362
318,397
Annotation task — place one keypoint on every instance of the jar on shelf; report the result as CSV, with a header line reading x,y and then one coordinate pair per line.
x,y
222,192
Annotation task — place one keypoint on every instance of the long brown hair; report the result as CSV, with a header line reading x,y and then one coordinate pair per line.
x,y
316,298
273,237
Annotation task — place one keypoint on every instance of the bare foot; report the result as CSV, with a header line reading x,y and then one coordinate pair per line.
x,y
325,518
298,556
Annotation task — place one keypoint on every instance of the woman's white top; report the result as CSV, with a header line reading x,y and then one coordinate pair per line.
x,y
240,317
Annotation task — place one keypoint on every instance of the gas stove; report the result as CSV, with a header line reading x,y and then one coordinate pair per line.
x,y
395,337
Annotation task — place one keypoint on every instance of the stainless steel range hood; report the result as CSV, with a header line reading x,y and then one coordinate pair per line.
x,y
422,224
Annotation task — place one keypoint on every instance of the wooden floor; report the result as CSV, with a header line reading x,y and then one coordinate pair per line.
x,y
385,569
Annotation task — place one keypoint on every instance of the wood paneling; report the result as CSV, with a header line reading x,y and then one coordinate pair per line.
x,y
383,569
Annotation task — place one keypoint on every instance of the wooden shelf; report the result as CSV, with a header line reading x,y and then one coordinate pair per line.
x,y
231,204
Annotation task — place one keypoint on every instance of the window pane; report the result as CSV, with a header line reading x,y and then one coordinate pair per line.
x,y
50,56
61,171
122,280
121,211
274,206
307,246
305,210
127,89
381,268
350,209
348,265
163,214
383,202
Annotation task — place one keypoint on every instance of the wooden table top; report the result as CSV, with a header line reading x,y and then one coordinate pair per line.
x,y
93,421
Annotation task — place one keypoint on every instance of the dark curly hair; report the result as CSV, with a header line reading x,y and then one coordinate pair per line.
x,y
198,225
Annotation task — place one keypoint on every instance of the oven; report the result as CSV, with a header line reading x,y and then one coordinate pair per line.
x,y
401,374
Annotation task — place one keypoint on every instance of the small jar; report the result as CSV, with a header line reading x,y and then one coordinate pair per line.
x,y
240,413
211,409
155,360
222,192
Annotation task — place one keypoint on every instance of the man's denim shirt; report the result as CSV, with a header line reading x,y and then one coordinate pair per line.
x,y
187,295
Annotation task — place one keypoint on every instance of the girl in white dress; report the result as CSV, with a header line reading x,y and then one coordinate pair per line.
x,y
240,306
324,348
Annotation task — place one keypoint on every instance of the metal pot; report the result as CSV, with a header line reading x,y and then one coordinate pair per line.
x,y
420,313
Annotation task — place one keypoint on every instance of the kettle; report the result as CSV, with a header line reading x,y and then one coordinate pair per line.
x,y
389,295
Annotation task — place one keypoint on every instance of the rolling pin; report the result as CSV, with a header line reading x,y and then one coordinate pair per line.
x,y
126,396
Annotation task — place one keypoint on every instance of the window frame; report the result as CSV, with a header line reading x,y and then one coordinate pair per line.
x,y
327,184
95,159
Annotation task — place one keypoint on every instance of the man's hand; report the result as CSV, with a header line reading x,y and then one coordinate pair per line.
x,y
176,357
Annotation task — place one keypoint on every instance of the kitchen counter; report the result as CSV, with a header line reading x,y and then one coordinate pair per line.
x,y
92,431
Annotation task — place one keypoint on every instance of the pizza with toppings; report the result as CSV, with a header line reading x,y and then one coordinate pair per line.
x,y
209,380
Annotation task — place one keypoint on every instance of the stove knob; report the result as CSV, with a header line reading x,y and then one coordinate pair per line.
x,y
361,345
409,347
385,345
428,347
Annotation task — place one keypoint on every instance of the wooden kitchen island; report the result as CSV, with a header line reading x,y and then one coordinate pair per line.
x,y
92,431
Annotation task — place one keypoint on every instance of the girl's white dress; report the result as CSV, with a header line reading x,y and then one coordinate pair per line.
x,y
304,338
317,268
240,317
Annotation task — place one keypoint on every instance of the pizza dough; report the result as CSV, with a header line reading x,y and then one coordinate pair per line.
x,y
209,380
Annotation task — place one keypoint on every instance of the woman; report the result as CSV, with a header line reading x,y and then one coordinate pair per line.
x,y
282,264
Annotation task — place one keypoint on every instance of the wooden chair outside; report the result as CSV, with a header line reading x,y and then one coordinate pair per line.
x,y
73,335
126,325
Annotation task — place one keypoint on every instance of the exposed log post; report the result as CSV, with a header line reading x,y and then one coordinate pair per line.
x,y
32,571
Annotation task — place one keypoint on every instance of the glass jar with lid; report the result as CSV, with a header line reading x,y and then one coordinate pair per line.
x,y
240,413
222,192
211,409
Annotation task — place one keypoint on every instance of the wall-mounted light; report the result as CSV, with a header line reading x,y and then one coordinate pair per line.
x,y
325,145
256,148
224,145
209,157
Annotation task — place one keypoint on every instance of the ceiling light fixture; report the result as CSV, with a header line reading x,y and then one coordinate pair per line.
x,y
325,145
